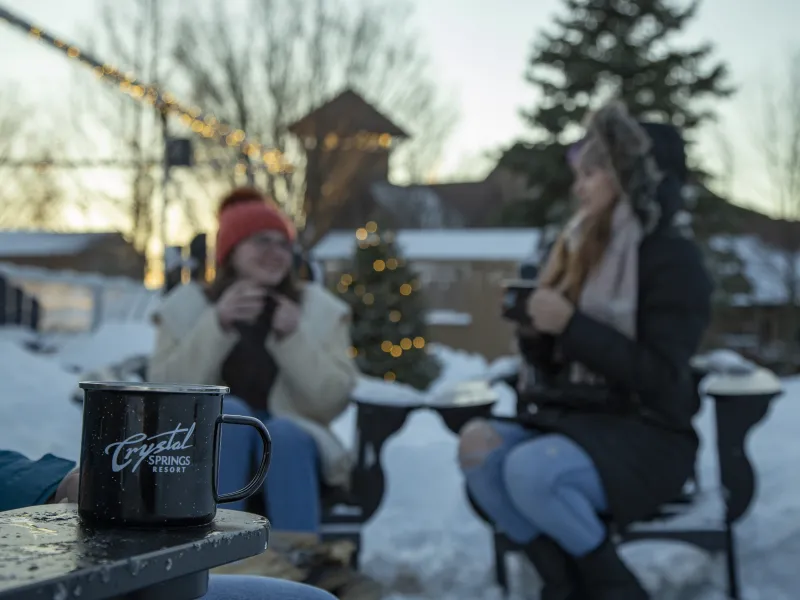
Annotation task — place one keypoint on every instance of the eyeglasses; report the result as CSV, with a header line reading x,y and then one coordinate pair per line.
x,y
268,242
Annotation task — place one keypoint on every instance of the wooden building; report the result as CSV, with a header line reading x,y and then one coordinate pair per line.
x,y
461,273
347,144
762,324
100,253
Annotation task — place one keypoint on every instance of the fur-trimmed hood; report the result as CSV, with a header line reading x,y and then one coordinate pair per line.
x,y
648,158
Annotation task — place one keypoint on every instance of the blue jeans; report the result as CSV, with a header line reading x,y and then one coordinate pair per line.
x,y
244,587
533,483
292,488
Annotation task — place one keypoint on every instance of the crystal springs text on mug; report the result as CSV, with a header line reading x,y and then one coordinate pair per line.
x,y
139,448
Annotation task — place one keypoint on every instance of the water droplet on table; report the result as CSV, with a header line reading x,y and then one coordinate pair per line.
x,y
61,592
137,565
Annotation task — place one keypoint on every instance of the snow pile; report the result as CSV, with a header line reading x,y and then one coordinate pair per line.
x,y
36,415
505,366
17,334
373,389
458,367
38,387
113,342
724,361
480,245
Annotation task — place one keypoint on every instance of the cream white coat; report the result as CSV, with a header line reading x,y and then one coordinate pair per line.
x,y
315,372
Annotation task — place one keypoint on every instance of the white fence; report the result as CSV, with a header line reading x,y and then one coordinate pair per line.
x,y
72,301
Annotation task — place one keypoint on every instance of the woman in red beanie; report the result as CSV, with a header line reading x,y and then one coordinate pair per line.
x,y
281,346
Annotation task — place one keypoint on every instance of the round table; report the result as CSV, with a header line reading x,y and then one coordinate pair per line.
x,y
377,421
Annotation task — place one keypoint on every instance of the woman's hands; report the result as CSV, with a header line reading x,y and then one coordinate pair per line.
x,y
549,311
242,302
286,317
67,490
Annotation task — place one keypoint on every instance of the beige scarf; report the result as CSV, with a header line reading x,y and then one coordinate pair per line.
x,y
610,292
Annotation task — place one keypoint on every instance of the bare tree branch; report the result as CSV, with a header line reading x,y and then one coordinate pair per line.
x,y
31,195
780,140
298,55
258,74
779,148
11,126
727,170
129,35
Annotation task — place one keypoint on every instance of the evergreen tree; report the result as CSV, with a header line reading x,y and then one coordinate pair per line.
x,y
602,49
598,50
388,312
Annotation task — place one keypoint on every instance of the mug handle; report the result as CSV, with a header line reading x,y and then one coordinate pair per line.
x,y
266,455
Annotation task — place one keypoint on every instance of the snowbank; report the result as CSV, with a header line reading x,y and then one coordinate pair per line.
x,y
113,342
503,367
372,389
36,416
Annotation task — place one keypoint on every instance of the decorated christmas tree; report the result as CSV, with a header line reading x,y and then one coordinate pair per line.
x,y
388,312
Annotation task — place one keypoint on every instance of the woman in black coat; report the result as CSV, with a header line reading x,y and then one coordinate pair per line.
x,y
622,304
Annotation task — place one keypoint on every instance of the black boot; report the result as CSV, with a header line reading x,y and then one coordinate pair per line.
x,y
556,568
606,577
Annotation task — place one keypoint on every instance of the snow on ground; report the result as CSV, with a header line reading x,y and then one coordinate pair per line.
x,y
34,416
425,543
110,343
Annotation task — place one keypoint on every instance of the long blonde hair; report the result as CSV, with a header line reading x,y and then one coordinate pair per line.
x,y
614,142
571,263
581,245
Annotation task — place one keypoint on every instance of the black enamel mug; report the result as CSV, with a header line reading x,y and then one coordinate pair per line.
x,y
150,454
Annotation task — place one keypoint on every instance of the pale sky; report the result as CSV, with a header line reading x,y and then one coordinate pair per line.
x,y
479,50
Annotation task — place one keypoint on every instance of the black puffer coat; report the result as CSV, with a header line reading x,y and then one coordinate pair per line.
x,y
644,447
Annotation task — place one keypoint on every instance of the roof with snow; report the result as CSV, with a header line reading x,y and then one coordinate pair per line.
x,y
47,243
766,268
443,244
28,273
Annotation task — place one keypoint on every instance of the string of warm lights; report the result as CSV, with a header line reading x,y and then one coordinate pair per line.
x,y
194,118
368,236
363,140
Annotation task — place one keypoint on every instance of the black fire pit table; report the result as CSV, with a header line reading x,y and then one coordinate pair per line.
x,y
46,553
377,420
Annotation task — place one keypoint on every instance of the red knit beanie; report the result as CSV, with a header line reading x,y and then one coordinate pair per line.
x,y
245,212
